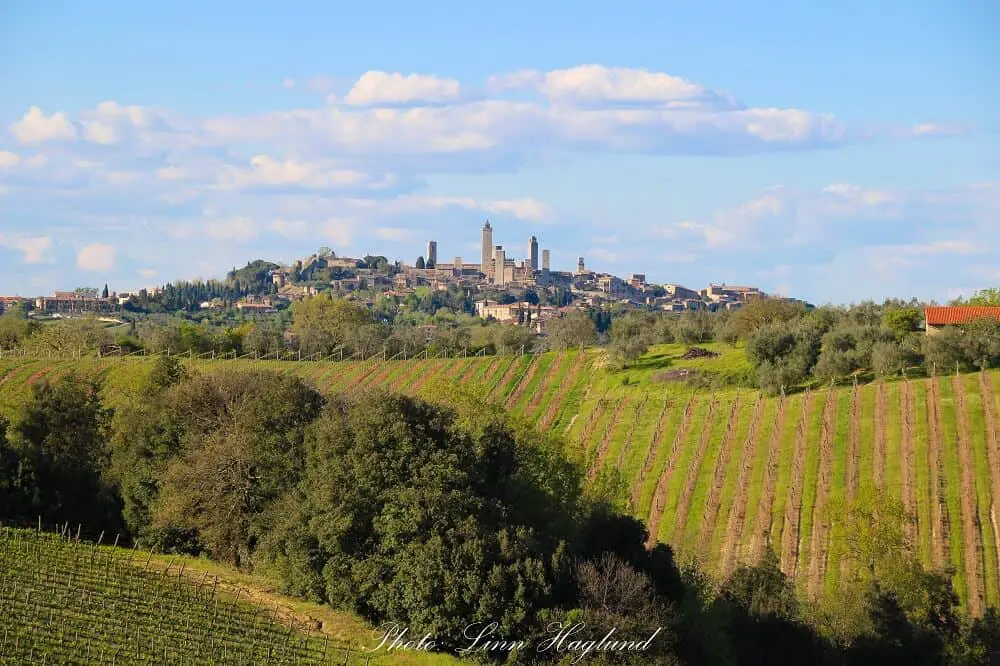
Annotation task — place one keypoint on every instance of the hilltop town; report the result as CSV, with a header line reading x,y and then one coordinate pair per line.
x,y
518,291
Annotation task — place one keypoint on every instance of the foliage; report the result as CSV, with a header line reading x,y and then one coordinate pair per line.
x,y
575,329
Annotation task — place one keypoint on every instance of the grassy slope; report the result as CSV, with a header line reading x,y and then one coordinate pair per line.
x,y
67,602
633,427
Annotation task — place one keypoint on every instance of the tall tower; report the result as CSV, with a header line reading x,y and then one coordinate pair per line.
x,y
487,248
533,252
499,263
579,266
545,260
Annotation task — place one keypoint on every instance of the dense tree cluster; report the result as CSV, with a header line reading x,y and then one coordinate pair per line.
x,y
442,517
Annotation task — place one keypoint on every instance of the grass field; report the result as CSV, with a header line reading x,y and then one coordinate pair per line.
x,y
64,601
720,475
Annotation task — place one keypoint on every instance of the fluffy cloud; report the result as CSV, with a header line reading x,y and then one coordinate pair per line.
x,y
96,257
394,88
267,172
33,248
8,159
845,240
36,127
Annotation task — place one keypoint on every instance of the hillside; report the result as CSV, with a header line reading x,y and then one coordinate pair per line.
x,y
720,475
72,602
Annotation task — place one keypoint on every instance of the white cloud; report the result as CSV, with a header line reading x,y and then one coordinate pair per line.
x,y
36,127
9,159
234,229
394,234
394,88
96,257
338,230
171,173
289,228
33,247
525,209
266,171
147,273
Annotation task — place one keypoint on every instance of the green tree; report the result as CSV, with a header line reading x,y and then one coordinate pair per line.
x,y
322,323
61,441
575,329
902,321
763,312
983,297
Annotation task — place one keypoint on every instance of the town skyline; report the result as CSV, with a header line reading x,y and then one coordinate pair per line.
x,y
136,150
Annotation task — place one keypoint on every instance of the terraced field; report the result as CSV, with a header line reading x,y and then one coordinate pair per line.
x,y
67,601
721,475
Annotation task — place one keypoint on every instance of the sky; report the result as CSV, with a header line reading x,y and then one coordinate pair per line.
x,y
833,152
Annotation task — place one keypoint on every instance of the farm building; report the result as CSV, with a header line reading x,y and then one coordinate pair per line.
x,y
940,316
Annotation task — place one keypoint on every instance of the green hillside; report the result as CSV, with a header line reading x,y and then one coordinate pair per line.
x,y
720,475
64,601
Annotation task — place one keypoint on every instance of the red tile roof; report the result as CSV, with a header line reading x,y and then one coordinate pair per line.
x,y
943,316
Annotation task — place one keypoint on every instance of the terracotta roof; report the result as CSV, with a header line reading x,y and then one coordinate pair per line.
x,y
943,316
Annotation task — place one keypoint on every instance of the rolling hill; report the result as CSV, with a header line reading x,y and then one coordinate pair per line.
x,y
720,475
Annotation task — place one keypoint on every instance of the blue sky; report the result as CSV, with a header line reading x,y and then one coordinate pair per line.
x,y
829,151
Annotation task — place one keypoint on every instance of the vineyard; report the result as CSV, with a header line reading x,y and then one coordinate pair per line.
x,y
719,475
66,601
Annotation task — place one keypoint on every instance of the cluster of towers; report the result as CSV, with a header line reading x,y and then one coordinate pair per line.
x,y
493,261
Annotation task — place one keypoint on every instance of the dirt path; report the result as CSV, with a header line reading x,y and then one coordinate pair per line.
x,y
972,538
907,447
793,508
684,503
609,431
993,457
437,366
545,385
38,374
508,375
660,494
711,512
565,386
764,509
522,384
493,368
651,453
820,538
853,469
878,453
595,416
737,514
469,370
633,423
939,512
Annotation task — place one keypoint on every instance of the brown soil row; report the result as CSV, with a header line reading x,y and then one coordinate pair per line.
x,y
602,448
545,385
493,368
564,388
821,517
993,456
684,503
764,512
651,453
971,526
939,512
469,370
852,471
595,416
793,508
377,379
633,422
878,453
38,374
435,368
711,512
737,515
508,375
660,494
907,470
522,384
